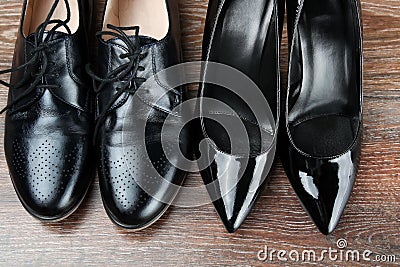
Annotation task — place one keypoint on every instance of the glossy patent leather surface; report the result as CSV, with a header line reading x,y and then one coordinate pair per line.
x,y
320,142
48,132
243,35
127,158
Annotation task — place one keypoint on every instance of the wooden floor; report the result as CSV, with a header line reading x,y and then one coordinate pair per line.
x,y
195,236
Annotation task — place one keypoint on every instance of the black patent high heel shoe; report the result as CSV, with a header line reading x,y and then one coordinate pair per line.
x,y
243,34
321,137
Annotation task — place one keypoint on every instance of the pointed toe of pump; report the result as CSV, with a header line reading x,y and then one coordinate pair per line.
x,y
326,210
234,184
323,185
232,225
233,217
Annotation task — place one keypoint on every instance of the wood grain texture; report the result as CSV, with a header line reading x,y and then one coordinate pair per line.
x,y
195,236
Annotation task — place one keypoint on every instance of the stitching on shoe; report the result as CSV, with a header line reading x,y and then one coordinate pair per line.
x,y
242,118
311,117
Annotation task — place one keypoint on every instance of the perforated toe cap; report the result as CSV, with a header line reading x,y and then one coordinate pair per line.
x,y
51,176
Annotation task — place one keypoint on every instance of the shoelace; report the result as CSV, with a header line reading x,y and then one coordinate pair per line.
x,y
125,73
38,56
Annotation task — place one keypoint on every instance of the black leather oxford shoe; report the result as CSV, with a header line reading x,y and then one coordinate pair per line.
x,y
321,136
48,122
138,178
243,34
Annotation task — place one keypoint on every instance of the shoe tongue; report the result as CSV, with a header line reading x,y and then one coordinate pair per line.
x,y
54,37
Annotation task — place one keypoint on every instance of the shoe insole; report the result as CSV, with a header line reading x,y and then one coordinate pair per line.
x,y
150,15
328,86
38,10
